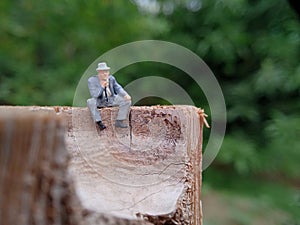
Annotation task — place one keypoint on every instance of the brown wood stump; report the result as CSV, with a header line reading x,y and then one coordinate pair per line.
x,y
57,169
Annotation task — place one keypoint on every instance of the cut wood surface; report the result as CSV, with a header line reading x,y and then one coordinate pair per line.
x,y
149,172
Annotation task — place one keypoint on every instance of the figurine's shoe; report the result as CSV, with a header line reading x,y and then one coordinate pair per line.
x,y
121,124
101,125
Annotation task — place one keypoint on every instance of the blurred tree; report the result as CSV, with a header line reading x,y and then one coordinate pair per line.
x,y
45,46
296,6
253,48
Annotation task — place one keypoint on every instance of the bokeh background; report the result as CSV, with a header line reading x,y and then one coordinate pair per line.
x,y
252,47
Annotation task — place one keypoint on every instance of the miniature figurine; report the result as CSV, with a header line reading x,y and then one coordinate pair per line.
x,y
106,92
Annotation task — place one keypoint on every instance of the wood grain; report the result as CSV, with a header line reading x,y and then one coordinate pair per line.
x,y
57,168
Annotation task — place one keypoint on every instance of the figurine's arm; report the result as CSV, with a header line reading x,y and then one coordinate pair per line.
x,y
118,88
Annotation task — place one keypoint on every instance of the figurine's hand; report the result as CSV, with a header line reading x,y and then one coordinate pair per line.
x,y
127,97
104,83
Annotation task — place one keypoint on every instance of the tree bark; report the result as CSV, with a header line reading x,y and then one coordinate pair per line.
x,y
34,184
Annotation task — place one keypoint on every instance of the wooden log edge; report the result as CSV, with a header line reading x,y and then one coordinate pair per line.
x,y
49,167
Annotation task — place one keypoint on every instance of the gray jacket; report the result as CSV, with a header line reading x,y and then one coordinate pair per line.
x,y
97,91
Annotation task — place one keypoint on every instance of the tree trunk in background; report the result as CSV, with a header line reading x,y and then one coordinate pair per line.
x,y
149,173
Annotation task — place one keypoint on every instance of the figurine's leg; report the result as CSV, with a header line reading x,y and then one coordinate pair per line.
x,y
124,106
92,105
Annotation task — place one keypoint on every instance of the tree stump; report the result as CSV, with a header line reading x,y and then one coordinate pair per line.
x,y
149,173
35,186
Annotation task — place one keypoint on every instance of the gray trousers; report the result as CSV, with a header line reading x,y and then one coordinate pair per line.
x,y
124,106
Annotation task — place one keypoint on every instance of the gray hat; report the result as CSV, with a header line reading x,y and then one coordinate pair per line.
x,y
102,66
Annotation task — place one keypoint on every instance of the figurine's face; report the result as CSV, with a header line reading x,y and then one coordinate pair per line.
x,y
103,74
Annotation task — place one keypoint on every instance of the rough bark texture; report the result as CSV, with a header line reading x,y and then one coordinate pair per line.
x,y
35,186
149,173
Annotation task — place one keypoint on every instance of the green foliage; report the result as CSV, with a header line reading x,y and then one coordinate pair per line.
x,y
253,198
245,152
283,153
46,46
253,49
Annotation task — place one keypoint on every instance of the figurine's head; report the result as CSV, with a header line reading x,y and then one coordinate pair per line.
x,y
103,71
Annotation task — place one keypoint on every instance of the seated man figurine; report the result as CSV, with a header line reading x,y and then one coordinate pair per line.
x,y
106,92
